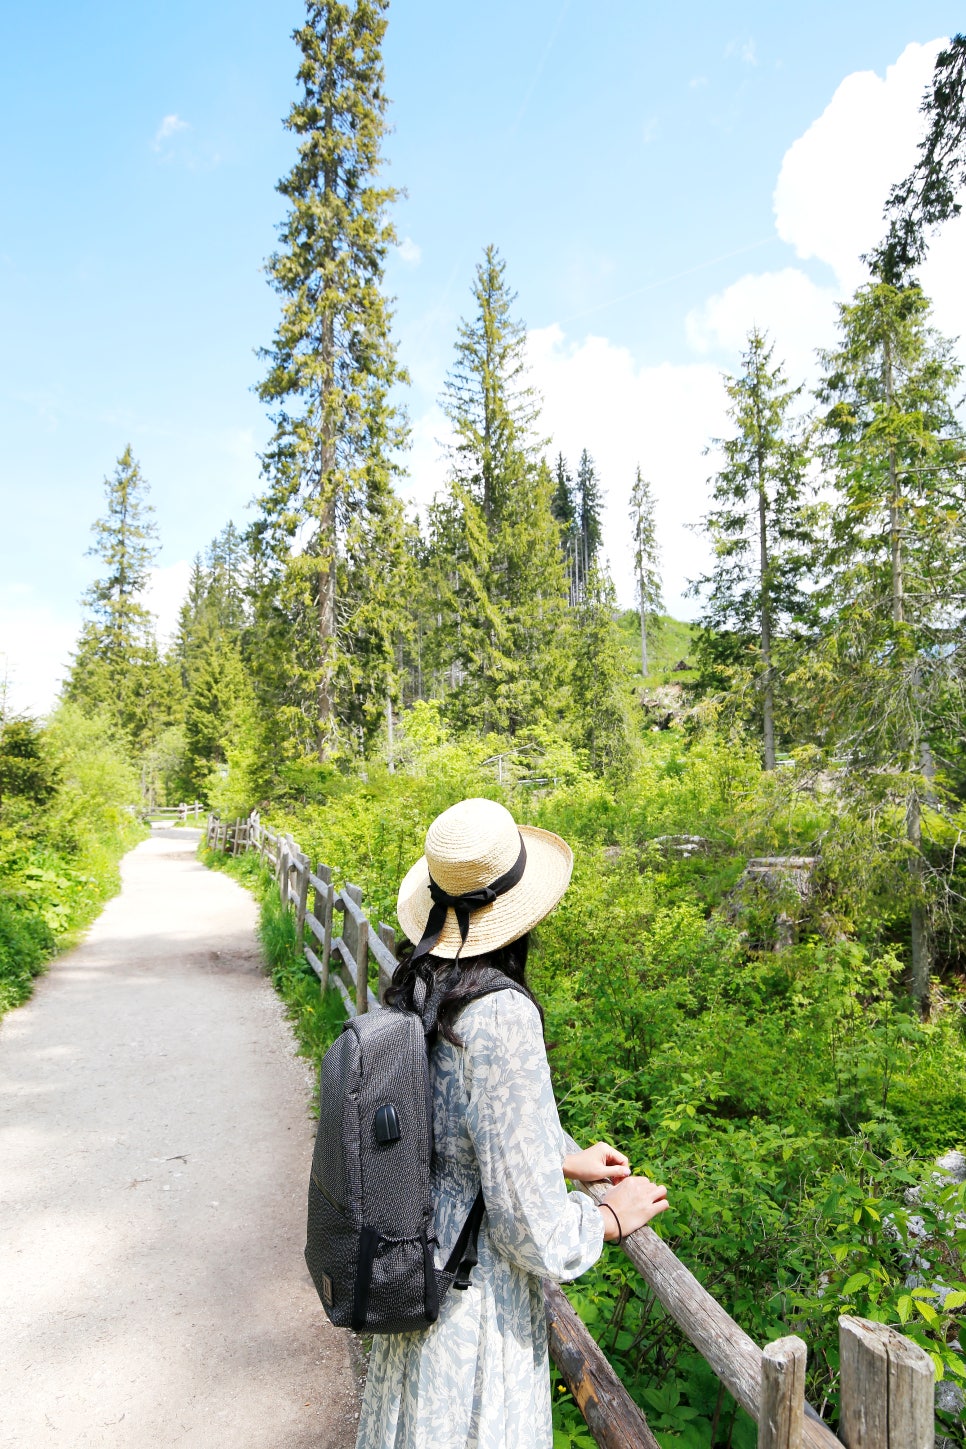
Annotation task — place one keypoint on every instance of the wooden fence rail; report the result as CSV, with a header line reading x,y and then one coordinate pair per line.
x,y
175,812
886,1380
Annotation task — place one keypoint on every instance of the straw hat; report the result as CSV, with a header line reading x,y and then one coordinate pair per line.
x,y
471,846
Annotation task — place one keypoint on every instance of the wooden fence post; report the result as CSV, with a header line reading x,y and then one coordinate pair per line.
x,y
887,1388
388,938
281,869
302,900
912,1394
324,917
358,940
782,1412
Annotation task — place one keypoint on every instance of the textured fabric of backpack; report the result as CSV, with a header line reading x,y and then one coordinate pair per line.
x,y
369,1243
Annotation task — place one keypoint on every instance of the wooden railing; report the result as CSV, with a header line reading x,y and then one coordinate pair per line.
x,y
886,1384
180,813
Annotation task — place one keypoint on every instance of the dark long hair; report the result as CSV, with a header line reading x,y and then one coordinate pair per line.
x,y
466,977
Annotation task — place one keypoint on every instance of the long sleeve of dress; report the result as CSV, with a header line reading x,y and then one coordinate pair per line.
x,y
512,1121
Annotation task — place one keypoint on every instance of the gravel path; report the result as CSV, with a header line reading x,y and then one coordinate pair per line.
x,y
154,1155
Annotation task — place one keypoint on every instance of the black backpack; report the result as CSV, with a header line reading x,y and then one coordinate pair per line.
x,y
370,1237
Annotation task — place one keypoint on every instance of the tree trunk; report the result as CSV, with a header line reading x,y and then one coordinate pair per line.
x,y
768,688
895,503
918,920
920,944
643,641
327,548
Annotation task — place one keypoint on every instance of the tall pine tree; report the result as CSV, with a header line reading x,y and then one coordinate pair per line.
x,y
647,577
894,638
494,553
332,362
759,532
117,666
589,506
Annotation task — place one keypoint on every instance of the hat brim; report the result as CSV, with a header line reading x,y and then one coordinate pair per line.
x,y
550,863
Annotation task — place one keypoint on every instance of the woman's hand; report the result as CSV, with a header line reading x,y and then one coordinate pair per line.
x,y
600,1163
632,1203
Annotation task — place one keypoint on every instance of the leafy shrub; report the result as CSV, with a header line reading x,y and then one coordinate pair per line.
x,y
66,818
26,942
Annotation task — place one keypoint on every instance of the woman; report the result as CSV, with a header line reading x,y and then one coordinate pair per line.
x,y
479,1377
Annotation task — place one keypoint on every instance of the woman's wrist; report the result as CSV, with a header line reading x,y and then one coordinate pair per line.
x,y
613,1231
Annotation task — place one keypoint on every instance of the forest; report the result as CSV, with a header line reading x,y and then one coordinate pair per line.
x,y
756,984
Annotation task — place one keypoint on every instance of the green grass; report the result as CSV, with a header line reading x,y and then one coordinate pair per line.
x,y
316,1019
672,642
48,901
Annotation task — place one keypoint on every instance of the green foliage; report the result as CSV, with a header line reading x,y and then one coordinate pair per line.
x,y
755,596
26,944
26,773
495,588
117,667
647,578
886,681
598,708
62,834
926,198
332,368
784,1088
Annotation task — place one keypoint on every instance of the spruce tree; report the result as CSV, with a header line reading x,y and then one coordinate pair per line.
x,y
218,688
377,615
759,531
494,552
589,503
893,646
117,666
647,577
228,569
487,399
597,714
564,509
332,362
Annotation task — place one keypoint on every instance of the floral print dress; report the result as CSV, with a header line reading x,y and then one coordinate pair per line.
x,y
479,1377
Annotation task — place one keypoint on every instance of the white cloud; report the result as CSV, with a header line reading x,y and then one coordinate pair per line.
x,y
409,252
37,641
35,646
597,397
743,50
170,126
828,203
835,179
796,312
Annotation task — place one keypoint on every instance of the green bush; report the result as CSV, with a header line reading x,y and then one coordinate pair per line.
x,y
67,815
26,943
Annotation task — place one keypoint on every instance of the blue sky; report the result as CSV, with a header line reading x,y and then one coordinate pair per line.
x,y
657,178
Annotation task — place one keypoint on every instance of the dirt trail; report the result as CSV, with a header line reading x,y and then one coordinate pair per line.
x,y
154,1152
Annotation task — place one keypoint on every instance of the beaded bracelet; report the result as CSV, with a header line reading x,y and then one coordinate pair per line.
x,y
620,1230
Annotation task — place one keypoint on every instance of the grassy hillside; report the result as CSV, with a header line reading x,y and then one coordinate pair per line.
x,y
670,644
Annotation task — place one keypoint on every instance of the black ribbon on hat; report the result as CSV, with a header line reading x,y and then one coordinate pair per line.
x,y
463,904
